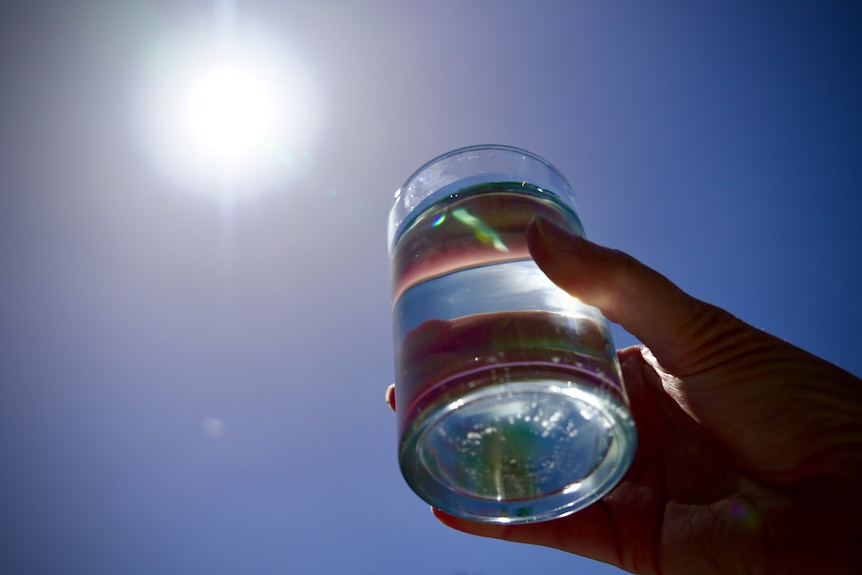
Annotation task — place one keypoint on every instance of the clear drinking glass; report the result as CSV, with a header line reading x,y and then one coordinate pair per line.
x,y
509,398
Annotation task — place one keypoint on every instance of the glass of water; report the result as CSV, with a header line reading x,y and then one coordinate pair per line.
x,y
510,404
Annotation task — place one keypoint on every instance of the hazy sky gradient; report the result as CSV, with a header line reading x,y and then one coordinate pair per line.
x,y
190,384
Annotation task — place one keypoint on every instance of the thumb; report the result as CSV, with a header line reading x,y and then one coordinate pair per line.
x,y
672,324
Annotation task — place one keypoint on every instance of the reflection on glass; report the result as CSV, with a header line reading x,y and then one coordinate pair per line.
x,y
484,233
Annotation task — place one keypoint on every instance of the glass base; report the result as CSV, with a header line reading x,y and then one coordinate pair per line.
x,y
519,452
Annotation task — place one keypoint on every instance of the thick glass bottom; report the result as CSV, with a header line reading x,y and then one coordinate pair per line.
x,y
519,452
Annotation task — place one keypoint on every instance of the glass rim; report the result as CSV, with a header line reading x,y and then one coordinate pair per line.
x,y
444,171
480,147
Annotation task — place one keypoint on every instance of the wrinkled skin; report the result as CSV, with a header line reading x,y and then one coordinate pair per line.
x,y
749,449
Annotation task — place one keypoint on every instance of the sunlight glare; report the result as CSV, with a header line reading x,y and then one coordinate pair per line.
x,y
231,116
219,109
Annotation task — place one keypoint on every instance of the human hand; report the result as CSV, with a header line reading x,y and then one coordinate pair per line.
x,y
749,449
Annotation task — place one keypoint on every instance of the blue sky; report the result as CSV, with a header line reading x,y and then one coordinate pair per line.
x,y
192,369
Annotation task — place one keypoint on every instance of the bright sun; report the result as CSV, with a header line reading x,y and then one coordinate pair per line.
x,y
220,109
231,117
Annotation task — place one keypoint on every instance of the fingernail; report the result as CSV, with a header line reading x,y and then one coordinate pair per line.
x,y
557,236
390,396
